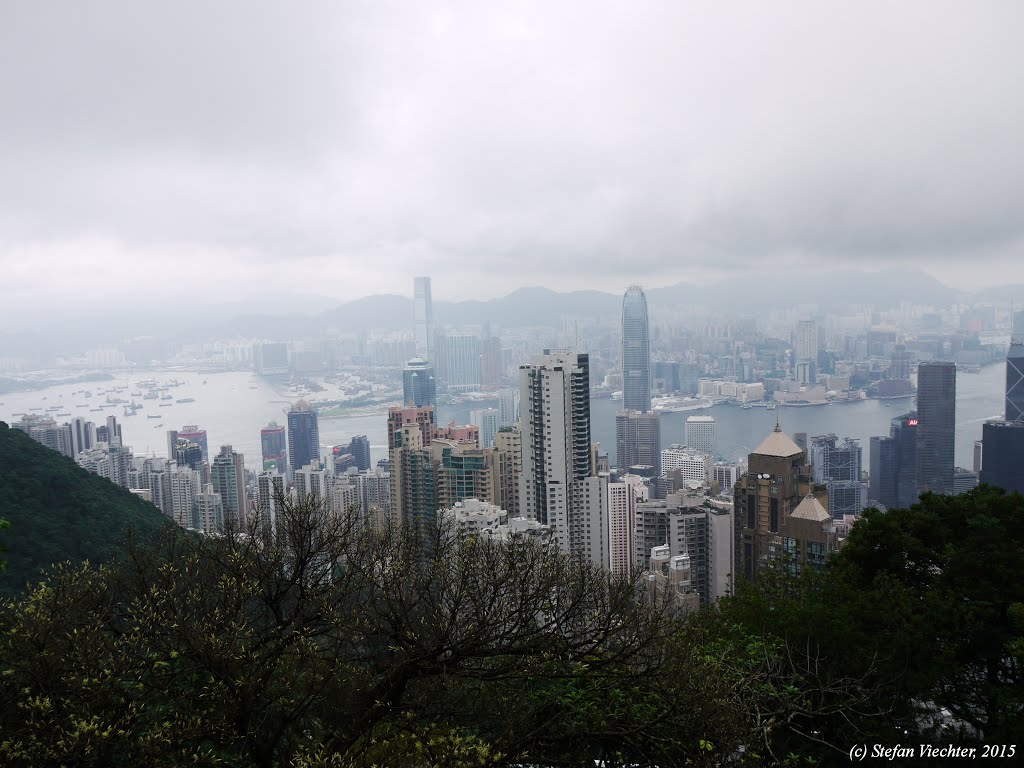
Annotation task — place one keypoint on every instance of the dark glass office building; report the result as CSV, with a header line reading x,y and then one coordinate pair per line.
x,y
303,437
419,387
893,464
636,352
1003,459
936,429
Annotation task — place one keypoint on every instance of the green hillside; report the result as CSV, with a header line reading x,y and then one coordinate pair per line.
x,y
58,511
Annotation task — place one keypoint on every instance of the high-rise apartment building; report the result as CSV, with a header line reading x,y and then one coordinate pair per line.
x,y
700,434
270,489
274,444
936,430
211,510
303,436
227,474
559,485
636,352
508,442
491,367
419,387
622,500
423,318
638,440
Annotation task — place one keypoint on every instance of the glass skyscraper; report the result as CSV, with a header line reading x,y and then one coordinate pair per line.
x,y
636,352
936,430
303,437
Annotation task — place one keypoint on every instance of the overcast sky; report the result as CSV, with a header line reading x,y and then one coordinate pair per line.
x,y
224,149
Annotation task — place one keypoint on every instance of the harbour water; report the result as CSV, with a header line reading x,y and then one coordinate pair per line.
x,y
233,406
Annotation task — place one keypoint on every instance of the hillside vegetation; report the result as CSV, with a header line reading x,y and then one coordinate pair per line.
x,y
58,511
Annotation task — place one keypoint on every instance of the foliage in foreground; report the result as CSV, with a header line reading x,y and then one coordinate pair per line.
x,y
322,645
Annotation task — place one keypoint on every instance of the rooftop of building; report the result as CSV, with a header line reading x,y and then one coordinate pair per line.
x,y
811,509
777,443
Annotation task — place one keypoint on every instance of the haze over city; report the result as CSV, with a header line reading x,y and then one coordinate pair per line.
x,y
200,154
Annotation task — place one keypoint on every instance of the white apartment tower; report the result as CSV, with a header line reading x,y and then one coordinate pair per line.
x,y
559,485
622,501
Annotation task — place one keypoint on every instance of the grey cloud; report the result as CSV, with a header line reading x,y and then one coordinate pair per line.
x,y
569,143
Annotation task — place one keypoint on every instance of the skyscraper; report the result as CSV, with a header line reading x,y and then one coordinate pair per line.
x,y
837,465
1015,372
638,440
936,429
463,358
700,434
559,485
193,434
418,384
487,419
806,349
423,316
303,436
359,447
636,352
274,444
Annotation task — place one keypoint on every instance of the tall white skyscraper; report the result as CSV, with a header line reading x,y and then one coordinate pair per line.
x,y
700,434
622,501
423,316
559,485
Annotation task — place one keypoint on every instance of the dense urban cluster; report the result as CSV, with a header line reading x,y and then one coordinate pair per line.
x,y
680,512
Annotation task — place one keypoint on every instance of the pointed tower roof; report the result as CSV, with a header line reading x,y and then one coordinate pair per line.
x,y
778,444
810,509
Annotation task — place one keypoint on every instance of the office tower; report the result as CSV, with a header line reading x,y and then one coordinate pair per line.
x,y
806,351
776,515
558,486
211,511
271,359
423,317
269,496
303,436
899,363
1015,374
726,475
487,420
800,438
700,434
359,447
172,443
341,460
622,500
508,442
638,440
193,434
227,474
936,431
274,445
419,387
508,407
893,473
963,480
636,352
1003,458
837,465
491,368
692,466
188,455
463,357
978,452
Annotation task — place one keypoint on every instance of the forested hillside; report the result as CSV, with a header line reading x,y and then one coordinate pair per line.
x,y
58,511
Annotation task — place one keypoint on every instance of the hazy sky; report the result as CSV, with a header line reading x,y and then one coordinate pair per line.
x,y
155,149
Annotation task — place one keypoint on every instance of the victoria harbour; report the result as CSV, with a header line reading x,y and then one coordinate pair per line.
x,y
232,407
